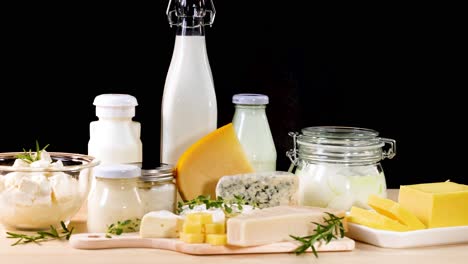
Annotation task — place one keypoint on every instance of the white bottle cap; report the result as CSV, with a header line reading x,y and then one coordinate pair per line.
x,y
115,105
250,99
117,171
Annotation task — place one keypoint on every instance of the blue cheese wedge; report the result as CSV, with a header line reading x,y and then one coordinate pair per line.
x,y
262,189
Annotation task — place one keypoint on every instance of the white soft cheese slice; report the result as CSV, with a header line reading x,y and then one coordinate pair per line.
x,y
274,224
263,189
160,224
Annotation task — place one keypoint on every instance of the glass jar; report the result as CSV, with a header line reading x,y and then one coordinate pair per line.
x,y
114,197
339,167
157,189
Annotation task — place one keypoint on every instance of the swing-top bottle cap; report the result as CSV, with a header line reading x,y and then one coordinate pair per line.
x,y
115,105
203,9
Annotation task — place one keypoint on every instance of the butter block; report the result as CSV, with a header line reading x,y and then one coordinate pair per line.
x,y
216,239
274,224
160,224
374,220
190,228
199,218
440,204
192,238
215,228
262,189
395,211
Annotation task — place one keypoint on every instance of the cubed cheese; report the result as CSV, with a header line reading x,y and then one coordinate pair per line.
x,y
160,224
274,224
216,239
215,228
192,228
199,218
192,238
439,204
395,211
374,220
264,189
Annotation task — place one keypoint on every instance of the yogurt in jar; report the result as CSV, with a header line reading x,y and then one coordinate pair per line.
x,y
114,197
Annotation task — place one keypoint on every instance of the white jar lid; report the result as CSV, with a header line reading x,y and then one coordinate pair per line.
x,y
115,105
250,99
117,171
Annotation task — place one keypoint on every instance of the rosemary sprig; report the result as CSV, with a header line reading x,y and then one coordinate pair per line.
x,y
120,227
332,228
226,205
29,156
42,236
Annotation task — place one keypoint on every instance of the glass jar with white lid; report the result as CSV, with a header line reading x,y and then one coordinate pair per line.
x,y
339,167
114,197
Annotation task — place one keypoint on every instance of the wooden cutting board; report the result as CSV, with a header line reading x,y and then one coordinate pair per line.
x,y
132,240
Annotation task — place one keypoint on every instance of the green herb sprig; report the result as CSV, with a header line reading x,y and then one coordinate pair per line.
x,y
42,236
29,156
226,205
120,227
332,228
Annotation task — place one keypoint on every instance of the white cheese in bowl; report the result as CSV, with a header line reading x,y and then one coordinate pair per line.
x,y
38,199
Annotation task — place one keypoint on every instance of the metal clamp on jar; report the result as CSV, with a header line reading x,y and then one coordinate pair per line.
x,y
339,167
157,189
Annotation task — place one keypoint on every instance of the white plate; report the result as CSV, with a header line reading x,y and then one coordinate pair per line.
x,y
418,238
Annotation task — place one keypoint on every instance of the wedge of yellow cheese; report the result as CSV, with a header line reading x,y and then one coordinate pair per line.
x,y
395,211
374,220
440,204
212,157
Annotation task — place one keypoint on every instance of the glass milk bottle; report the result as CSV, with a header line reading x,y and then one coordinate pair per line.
x,y
115,137
189,109
253,131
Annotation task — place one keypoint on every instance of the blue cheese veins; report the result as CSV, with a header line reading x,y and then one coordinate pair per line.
x,y
263,189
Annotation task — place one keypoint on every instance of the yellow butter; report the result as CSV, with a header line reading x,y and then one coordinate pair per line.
x,y
192,238
216,239
374,220
395,211
190,228
205,162
440,204
215,228
199,218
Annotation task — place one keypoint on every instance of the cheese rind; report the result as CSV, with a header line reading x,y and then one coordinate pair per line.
x,y
441,204
264,189
395,211
160,224
374,220
205,162
274,224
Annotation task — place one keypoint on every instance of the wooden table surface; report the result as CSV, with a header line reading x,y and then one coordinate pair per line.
x,y
61,252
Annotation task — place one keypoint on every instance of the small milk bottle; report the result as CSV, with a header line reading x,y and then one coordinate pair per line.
x,y
115,138
253,131
189,109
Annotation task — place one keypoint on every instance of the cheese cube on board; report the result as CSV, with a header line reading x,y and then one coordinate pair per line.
x,y
216,239
275,224
160,224
263,189
440,204
192,238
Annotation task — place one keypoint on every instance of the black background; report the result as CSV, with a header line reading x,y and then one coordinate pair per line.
x,y
394,69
